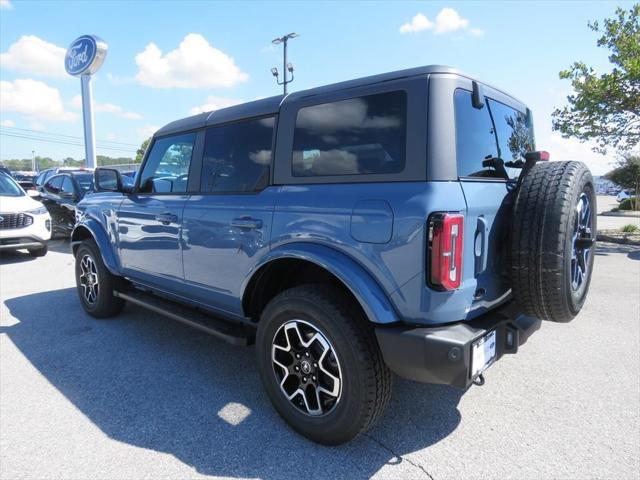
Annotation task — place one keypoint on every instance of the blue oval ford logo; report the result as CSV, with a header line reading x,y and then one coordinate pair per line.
x,y
85,55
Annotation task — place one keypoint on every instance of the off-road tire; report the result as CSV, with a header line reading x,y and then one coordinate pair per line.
x,y
366,380
541,239
106,304
38,252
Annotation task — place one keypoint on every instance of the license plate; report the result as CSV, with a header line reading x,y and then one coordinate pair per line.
x,y
483,353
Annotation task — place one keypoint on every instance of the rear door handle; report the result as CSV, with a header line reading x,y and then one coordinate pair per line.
x,y
246,223
167,218
480,246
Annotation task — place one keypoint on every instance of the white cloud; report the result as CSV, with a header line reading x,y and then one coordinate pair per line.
x,y
214,103
7,123
418,23
34,99
448,20
146,131
76,102
194,64
31,54
111,136
6,4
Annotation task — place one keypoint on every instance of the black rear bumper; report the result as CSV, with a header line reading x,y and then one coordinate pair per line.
x,y
442,354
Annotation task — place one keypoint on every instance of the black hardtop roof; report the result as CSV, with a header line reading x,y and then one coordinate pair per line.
x,y
271,105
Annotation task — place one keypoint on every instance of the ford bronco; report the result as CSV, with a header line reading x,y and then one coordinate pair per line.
x,y
401,223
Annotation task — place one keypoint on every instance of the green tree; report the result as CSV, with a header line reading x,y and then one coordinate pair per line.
x,y
605,108
626,172
142,149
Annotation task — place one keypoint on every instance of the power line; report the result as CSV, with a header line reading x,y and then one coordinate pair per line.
x,y
60,135
61,141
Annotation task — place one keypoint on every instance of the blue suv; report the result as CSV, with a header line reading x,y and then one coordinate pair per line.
x,y
401,223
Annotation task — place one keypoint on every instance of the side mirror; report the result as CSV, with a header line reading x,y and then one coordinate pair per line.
x,y
107,180
33,193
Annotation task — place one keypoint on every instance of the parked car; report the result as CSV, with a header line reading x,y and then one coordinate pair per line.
x,y
5,170
27,185
61,194
622,196
402,222
24,222
46,174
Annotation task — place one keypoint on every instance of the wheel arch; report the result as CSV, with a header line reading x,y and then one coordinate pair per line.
x,y
309,263
91,229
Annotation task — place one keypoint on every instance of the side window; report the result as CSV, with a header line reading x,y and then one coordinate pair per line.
x,y
475,137
167,167
237,157
67,185
358,136
54,185
514,131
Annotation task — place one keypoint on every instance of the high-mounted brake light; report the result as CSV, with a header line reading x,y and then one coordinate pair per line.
x,y
537,156
445,250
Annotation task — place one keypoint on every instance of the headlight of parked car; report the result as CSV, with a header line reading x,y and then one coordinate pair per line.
x,y
38,211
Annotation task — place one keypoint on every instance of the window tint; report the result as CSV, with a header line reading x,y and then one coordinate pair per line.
x,y
237,157
358,136
514,131
167,167
54,185
67,185
475,138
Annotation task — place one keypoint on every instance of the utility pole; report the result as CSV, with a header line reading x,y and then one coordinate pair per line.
x,y
286,66
33,161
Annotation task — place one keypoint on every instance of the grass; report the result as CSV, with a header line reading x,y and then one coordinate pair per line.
x,y
630,228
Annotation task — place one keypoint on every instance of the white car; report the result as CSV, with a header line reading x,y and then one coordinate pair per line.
x,y
622,196
24,222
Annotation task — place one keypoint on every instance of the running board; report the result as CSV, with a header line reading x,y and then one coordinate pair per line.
x,y
234,334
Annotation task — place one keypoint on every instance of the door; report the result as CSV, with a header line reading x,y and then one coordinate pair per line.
x,y
487,138
50,198
227,225
150,219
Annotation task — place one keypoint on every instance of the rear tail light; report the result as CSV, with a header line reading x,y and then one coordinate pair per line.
x,y
445,250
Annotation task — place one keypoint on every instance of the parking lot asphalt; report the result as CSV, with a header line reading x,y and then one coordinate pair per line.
x,y
139,396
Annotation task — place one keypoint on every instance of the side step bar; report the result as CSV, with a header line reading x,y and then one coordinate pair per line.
x,y
234,334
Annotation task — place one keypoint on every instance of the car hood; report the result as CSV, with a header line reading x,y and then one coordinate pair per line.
x,y
18,204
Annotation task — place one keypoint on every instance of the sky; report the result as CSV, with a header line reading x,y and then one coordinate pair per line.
x,y
168,59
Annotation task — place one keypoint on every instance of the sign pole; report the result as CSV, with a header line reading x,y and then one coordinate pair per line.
x,y
84,57
87,118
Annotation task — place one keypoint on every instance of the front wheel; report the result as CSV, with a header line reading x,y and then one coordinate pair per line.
x,y
95,284
321,365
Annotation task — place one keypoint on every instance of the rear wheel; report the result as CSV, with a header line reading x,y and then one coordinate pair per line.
x,y
553,240
320,364
95,284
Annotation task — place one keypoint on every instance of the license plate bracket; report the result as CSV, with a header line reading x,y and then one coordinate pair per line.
x,y
483,353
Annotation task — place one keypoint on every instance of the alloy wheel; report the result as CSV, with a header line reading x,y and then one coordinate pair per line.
x,y
306,367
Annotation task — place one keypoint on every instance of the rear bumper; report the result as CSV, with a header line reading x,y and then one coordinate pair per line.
x,y
442,354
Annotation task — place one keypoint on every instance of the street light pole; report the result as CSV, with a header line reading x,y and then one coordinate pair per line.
x,y
286,66
33,161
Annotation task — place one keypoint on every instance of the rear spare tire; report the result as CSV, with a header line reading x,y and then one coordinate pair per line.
x,y
552,240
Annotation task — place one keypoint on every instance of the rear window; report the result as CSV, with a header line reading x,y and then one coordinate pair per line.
x,y
237,157
496,130
359,136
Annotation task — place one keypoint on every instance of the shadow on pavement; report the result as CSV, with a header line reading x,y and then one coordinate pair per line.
x,y
156,384
605,248
7,257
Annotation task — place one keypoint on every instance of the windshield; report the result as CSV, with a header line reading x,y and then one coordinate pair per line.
x,y
85,180
9,188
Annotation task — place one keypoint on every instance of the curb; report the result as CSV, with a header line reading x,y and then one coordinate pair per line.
x,y
622,239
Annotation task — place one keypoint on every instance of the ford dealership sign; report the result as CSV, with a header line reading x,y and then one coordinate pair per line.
x,y
85,55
